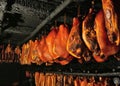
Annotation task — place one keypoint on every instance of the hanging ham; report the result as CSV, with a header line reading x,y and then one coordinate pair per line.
x,y
43,51
50,41
75,45
33,55
59,47
112,20
18,53
9,54
107,48
88,32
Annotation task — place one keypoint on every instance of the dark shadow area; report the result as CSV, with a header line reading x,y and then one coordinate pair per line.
x,y
11,20
9,5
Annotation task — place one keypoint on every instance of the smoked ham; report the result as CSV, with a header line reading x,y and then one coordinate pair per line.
x,y
17,50
59,47
9,54
22,54
33,55
61,41
89,35
18,53
88,32
25,54
50,41
107,48
112,20
43,51
75,45
40,47
74,41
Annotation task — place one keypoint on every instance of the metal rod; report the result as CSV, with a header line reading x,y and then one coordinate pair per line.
x,y
50,17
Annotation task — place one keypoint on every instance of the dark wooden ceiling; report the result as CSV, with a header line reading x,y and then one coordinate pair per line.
x,y
21,20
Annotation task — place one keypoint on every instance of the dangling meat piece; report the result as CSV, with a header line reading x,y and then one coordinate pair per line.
x,y
37,76
40,49
46,53
83,82
60,44
75,45
53,80
61,41
50,41
18,53
9,53
89,35
41,79
33,55
43,51
111,9
22,54
77,82
88,31
25,54
106,47
74,41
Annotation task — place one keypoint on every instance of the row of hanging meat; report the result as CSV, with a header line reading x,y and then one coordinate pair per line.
x,y
51,79
96,37
9,55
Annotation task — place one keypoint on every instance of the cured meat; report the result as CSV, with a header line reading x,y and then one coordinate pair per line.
x,y
43,51
53,80
61,41
33,55
50,41
18,53
88,32
77,82
74,41
42,79
106,47
37,76
83,82
60,44
75,45
25,54
59,80
48,80
46,54
22,54
17,50
40,47
112,20
9,55
68,80
30,54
